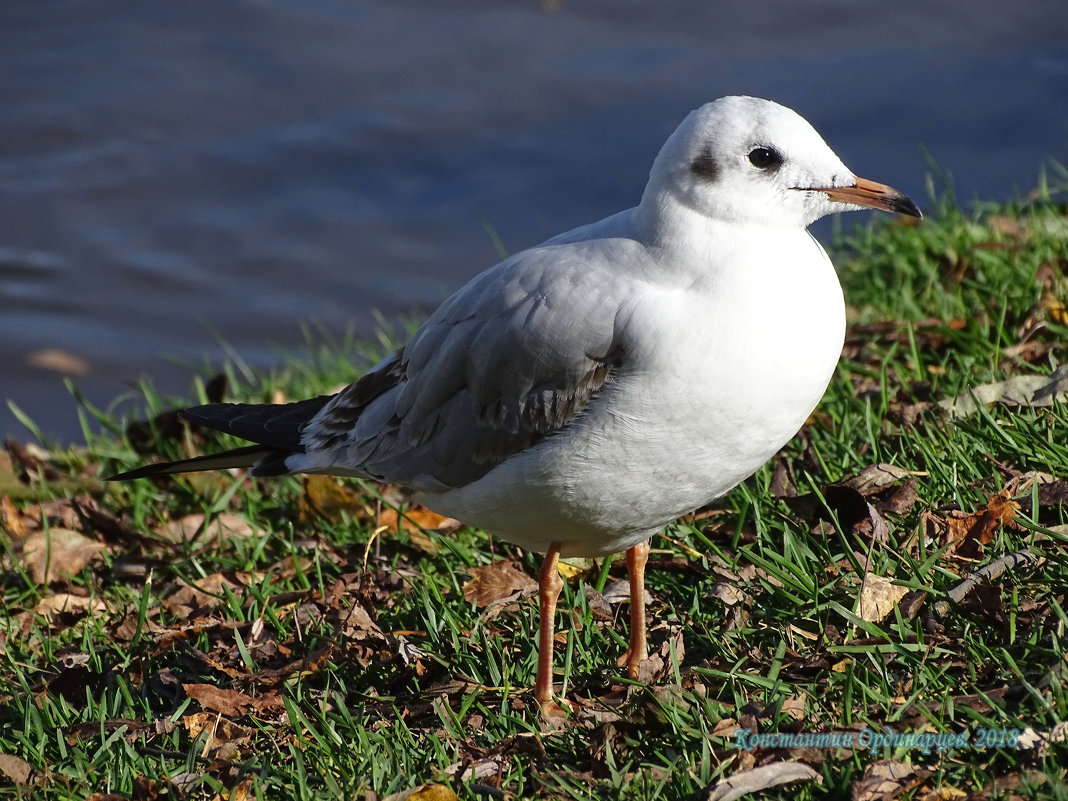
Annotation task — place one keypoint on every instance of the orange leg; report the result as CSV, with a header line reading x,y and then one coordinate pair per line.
x,y
637,556
549,586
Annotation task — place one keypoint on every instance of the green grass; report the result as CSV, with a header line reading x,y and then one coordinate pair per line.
x,y
360,670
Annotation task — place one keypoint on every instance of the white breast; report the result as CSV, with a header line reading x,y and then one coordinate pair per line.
x,y
717,378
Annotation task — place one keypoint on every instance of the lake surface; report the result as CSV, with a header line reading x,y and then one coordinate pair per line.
x,y
174,176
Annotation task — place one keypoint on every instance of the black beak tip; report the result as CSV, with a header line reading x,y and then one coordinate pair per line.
x,y
904,205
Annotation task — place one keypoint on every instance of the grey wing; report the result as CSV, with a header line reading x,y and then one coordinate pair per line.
x,y
508,360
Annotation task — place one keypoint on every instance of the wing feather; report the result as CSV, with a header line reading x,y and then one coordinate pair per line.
x,y
510,359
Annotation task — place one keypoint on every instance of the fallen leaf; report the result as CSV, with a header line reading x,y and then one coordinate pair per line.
x,y
877,477
877,598
424,792
728,593
600,608
206,593
17,770
900,500
783,484
58,553
855,513
573,566
221,526
618,592
752,781
497,581
33,460
478,771
418,515
660,664
794,707
1021,390
62,602
358,624
968,533
326,497
725,728
12,520
224,737
887,779
1040,741
230,702
415,522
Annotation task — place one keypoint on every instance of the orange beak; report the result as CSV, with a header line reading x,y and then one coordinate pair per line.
x,y
870,193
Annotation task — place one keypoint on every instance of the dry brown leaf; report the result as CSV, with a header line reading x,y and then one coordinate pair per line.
x,y
728,593
62,602
1020,390
206,592
878,476
1054,307
225,737
855,513
877,598
58,553
660,664
794,707
11,519
231,702
221,526
887,780
968,533
17,770
900,500
752,781
725,728
497,581
358,624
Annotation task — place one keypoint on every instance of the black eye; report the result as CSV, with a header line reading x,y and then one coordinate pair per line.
x,y
764,157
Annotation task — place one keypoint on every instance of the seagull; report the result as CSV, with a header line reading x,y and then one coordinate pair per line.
x,y
582,394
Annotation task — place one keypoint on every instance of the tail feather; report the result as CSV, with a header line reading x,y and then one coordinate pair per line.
x,y
238,457
274,427
277,425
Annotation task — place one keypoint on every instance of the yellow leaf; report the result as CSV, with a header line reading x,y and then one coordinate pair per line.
x,y
878,596
424,792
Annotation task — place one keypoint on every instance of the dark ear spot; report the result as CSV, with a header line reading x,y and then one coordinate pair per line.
x,y
704,166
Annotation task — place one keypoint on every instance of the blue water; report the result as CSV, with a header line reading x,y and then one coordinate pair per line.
x,y
174,175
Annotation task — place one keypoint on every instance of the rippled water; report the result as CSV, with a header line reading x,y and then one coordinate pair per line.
x,y
173,175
